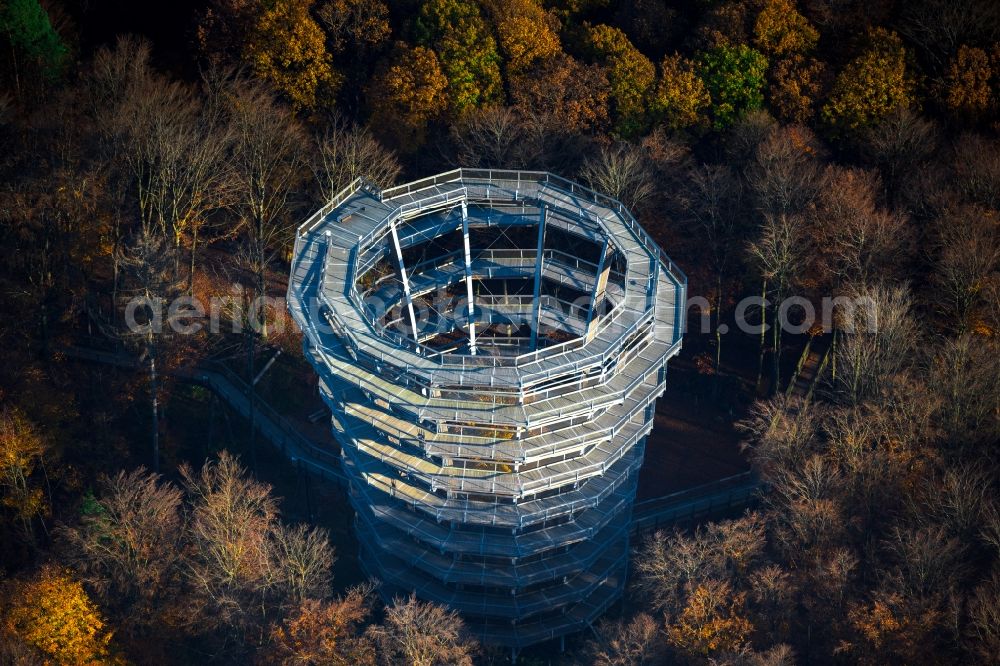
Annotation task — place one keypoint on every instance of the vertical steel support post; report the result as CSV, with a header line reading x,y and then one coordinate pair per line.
x,y
406,282
537,295
600,285
468,278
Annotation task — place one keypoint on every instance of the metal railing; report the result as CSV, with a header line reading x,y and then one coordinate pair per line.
x,y
317,218
491,177
695,503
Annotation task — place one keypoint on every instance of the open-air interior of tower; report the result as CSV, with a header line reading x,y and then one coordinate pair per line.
x,y
491,345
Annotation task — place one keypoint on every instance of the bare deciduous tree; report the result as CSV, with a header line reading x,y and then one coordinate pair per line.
x,y
778,655
785,174
807,505
899,143
126,545
301,562
712,201
269,149
772,590
669,566
170,147
635,642
976,169
963,501
345,152
964,375
927,563
417,633
623,172
739,544
882,334
228,562
778,253
781,432
666,564
863,240
968,255
939,27
747,134
983,629
268,155
494,137
148,259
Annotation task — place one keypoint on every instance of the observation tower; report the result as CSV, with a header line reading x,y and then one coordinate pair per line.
x,y
491,345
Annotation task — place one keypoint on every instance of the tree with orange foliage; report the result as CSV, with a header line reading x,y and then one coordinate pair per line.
x,y
711,621
406,94
796,84
965,89
52,613
324,633
573,94
526,32
883,633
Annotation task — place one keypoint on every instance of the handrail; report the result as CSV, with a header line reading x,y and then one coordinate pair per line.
x,y
316,218
491,176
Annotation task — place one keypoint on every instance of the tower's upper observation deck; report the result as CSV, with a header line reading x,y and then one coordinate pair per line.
x,y
558,278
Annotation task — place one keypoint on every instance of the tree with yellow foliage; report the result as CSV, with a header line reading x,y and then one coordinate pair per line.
x,y
786,37
630,73
681,100
711,621
965,90
409,90
871,86
781,30
21,450
526,32
52,613
287,48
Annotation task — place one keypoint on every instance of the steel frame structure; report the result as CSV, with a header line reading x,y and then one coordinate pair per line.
x,y
491,473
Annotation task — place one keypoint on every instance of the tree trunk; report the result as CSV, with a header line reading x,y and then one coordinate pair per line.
x,y
13,58
154,393
194,246
776,345
833,357
763,338
718,333
251,391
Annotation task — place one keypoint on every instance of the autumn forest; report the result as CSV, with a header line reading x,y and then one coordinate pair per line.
x,y
815,149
